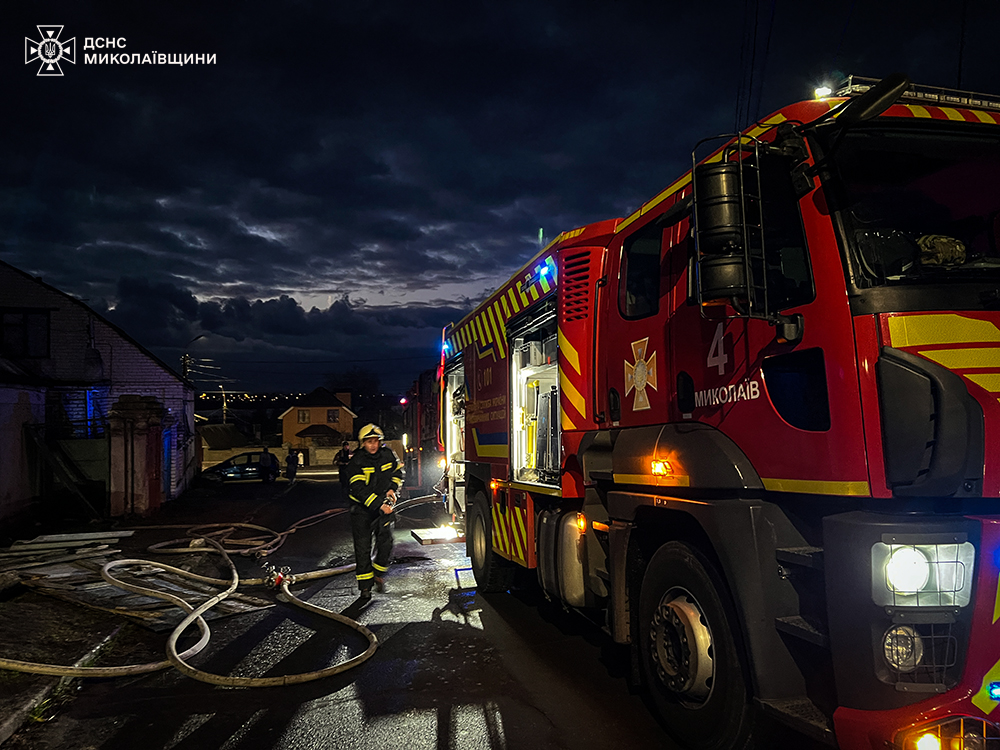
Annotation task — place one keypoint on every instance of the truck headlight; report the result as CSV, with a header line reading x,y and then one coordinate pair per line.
x,y
907,571
922,574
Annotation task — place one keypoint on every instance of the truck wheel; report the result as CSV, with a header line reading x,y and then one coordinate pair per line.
x,y
689,658
492,572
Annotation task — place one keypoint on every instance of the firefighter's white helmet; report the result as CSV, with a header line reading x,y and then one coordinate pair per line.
x,y
370,431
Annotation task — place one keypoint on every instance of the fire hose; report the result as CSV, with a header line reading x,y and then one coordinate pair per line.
x,y
206,541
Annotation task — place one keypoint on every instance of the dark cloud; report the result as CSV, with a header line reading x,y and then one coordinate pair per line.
x,y
389,151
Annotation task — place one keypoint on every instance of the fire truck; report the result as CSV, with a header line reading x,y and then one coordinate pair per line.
x,y
421,447
753,427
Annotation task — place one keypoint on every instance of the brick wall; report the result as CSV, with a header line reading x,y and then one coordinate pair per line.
x,y
19,405
89,352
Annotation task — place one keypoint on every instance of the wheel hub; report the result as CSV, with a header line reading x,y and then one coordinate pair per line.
x,y
681,646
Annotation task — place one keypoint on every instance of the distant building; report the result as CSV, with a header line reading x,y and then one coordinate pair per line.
x,y
85,409
324,417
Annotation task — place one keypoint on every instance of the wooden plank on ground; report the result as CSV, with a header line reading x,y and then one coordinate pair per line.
x,y
92,536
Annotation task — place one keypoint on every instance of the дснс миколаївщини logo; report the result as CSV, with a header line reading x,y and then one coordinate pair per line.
x,y
49,51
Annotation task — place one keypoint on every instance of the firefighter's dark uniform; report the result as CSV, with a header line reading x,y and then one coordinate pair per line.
x,y
372,476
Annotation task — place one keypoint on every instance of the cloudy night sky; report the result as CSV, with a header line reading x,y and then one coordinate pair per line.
x,y
350,176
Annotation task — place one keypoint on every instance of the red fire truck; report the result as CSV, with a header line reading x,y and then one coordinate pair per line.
x,y
753,427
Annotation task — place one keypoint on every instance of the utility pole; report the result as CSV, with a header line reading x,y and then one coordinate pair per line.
x,y
224,405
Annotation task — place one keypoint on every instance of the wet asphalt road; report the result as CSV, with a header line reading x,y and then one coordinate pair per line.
x,y
455,669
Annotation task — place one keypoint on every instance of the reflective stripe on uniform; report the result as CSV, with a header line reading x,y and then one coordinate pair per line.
x,y
379,568
386,467
357,478
364,576
368,502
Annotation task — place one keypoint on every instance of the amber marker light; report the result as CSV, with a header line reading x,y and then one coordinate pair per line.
x,y
661,468
581,522
928,742
494,484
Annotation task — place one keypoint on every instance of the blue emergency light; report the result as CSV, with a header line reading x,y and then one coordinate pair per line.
x,y
994,691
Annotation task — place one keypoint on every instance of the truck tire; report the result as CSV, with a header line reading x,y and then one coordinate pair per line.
x,y
492,572
690,660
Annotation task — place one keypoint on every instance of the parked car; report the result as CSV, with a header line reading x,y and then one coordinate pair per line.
x,y
245,466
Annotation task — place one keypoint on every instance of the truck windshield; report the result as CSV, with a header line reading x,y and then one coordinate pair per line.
x,y
921,203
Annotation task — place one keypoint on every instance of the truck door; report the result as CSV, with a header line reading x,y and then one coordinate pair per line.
x,y
632,345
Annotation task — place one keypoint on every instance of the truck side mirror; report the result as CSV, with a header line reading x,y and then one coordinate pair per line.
x,y
720,231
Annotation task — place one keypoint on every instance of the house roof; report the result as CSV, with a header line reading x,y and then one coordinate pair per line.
x,y
322,398
37,280
318,431
222,436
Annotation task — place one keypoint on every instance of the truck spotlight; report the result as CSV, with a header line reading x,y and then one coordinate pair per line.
x,y
822,92
903,648
928,742
908,570
443,463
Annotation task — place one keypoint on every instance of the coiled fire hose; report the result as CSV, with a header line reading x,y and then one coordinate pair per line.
x,y
279,579
261,546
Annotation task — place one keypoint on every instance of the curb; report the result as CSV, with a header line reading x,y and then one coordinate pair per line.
x,y
13,723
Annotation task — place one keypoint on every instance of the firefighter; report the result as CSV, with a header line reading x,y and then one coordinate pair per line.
x,y
376,474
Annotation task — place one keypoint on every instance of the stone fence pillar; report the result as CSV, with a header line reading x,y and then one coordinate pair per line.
x,y
135,424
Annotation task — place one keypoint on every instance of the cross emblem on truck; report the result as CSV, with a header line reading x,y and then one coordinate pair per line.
x,y
641,374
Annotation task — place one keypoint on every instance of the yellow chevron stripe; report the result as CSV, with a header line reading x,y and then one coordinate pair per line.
x,y
996,603
982,699
506,310
521,519
985,117
988,380
568,354
945,328
534,292
495,513
544,282
517,546
961,359
952,114
513,300
492,323
502,531
571,394
918,111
